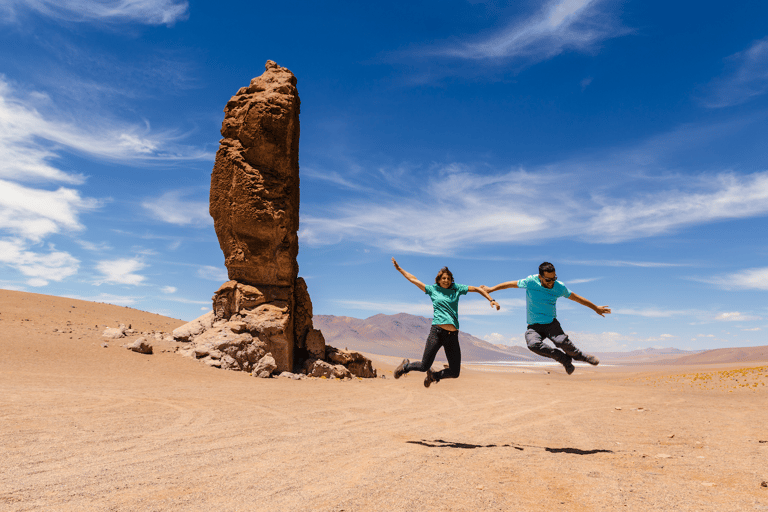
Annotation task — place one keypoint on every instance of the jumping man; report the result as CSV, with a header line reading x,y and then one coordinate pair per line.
x,y
541,294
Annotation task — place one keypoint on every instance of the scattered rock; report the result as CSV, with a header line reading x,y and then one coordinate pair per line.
x,y
763,484
294,376
105,345
319,368
141,346
265,367
357,364
114,333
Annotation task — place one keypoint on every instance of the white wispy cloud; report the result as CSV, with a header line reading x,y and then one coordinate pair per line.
x,y
735,316
460,206
651,312
150,12
108,298
583,280
39,267
175,208
746,78
560,26
603,341
625,263
500,339
213,273
34,131
747,279
714,198
168,289
120,271
33,214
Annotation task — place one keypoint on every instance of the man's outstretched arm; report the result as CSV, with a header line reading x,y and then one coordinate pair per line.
x,y
500,286
600,310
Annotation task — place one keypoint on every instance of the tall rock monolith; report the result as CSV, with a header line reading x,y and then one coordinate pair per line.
x,y
262,317
255,208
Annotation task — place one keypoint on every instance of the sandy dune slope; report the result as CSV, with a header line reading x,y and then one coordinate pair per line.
x,y
84,427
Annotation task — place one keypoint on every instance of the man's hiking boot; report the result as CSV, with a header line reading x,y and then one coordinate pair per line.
x,y
592,360
430,378
400,370
567,363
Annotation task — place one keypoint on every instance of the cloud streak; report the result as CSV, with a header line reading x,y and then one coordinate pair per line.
x,y
560,26
120,271
461,207
150,12
174,208
747,279
39,267
746,78
33,214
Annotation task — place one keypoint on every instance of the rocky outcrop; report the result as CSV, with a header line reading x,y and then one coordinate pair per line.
x,y
262,317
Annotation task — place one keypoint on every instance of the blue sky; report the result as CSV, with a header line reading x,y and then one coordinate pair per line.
x,y
623,141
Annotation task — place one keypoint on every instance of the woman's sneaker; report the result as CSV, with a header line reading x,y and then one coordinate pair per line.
x,y
592,360
430,378
400,370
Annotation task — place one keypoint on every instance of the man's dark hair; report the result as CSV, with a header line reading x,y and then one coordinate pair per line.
x,y
443,270
546,267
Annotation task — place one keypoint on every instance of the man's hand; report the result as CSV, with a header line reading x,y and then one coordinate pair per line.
x,y
602,310
497,305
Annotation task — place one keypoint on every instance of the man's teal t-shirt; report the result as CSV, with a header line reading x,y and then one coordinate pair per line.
x,y
540,301
445,302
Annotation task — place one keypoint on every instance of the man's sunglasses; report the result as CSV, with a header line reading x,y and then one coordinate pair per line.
x,y
547,280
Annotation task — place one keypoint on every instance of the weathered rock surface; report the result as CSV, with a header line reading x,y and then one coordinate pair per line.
x,y
191,329
255,181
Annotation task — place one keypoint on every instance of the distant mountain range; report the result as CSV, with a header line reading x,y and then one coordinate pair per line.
x,y
403,335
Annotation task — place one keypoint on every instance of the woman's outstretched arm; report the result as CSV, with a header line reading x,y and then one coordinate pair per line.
x,y
408,276
484,293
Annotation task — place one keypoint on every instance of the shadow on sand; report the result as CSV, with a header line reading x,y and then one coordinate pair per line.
x,y
439,443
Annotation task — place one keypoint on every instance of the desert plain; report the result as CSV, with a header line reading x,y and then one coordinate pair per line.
x,y
85,427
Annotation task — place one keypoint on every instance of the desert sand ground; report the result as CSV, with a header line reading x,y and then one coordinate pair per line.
x,y
83,427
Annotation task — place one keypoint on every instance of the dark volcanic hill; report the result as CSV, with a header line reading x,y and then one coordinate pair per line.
x,y
403,335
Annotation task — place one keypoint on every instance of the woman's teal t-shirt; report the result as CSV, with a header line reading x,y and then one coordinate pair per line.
x,y
445,302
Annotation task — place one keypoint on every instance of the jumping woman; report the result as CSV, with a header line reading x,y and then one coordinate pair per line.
x,y
445,325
